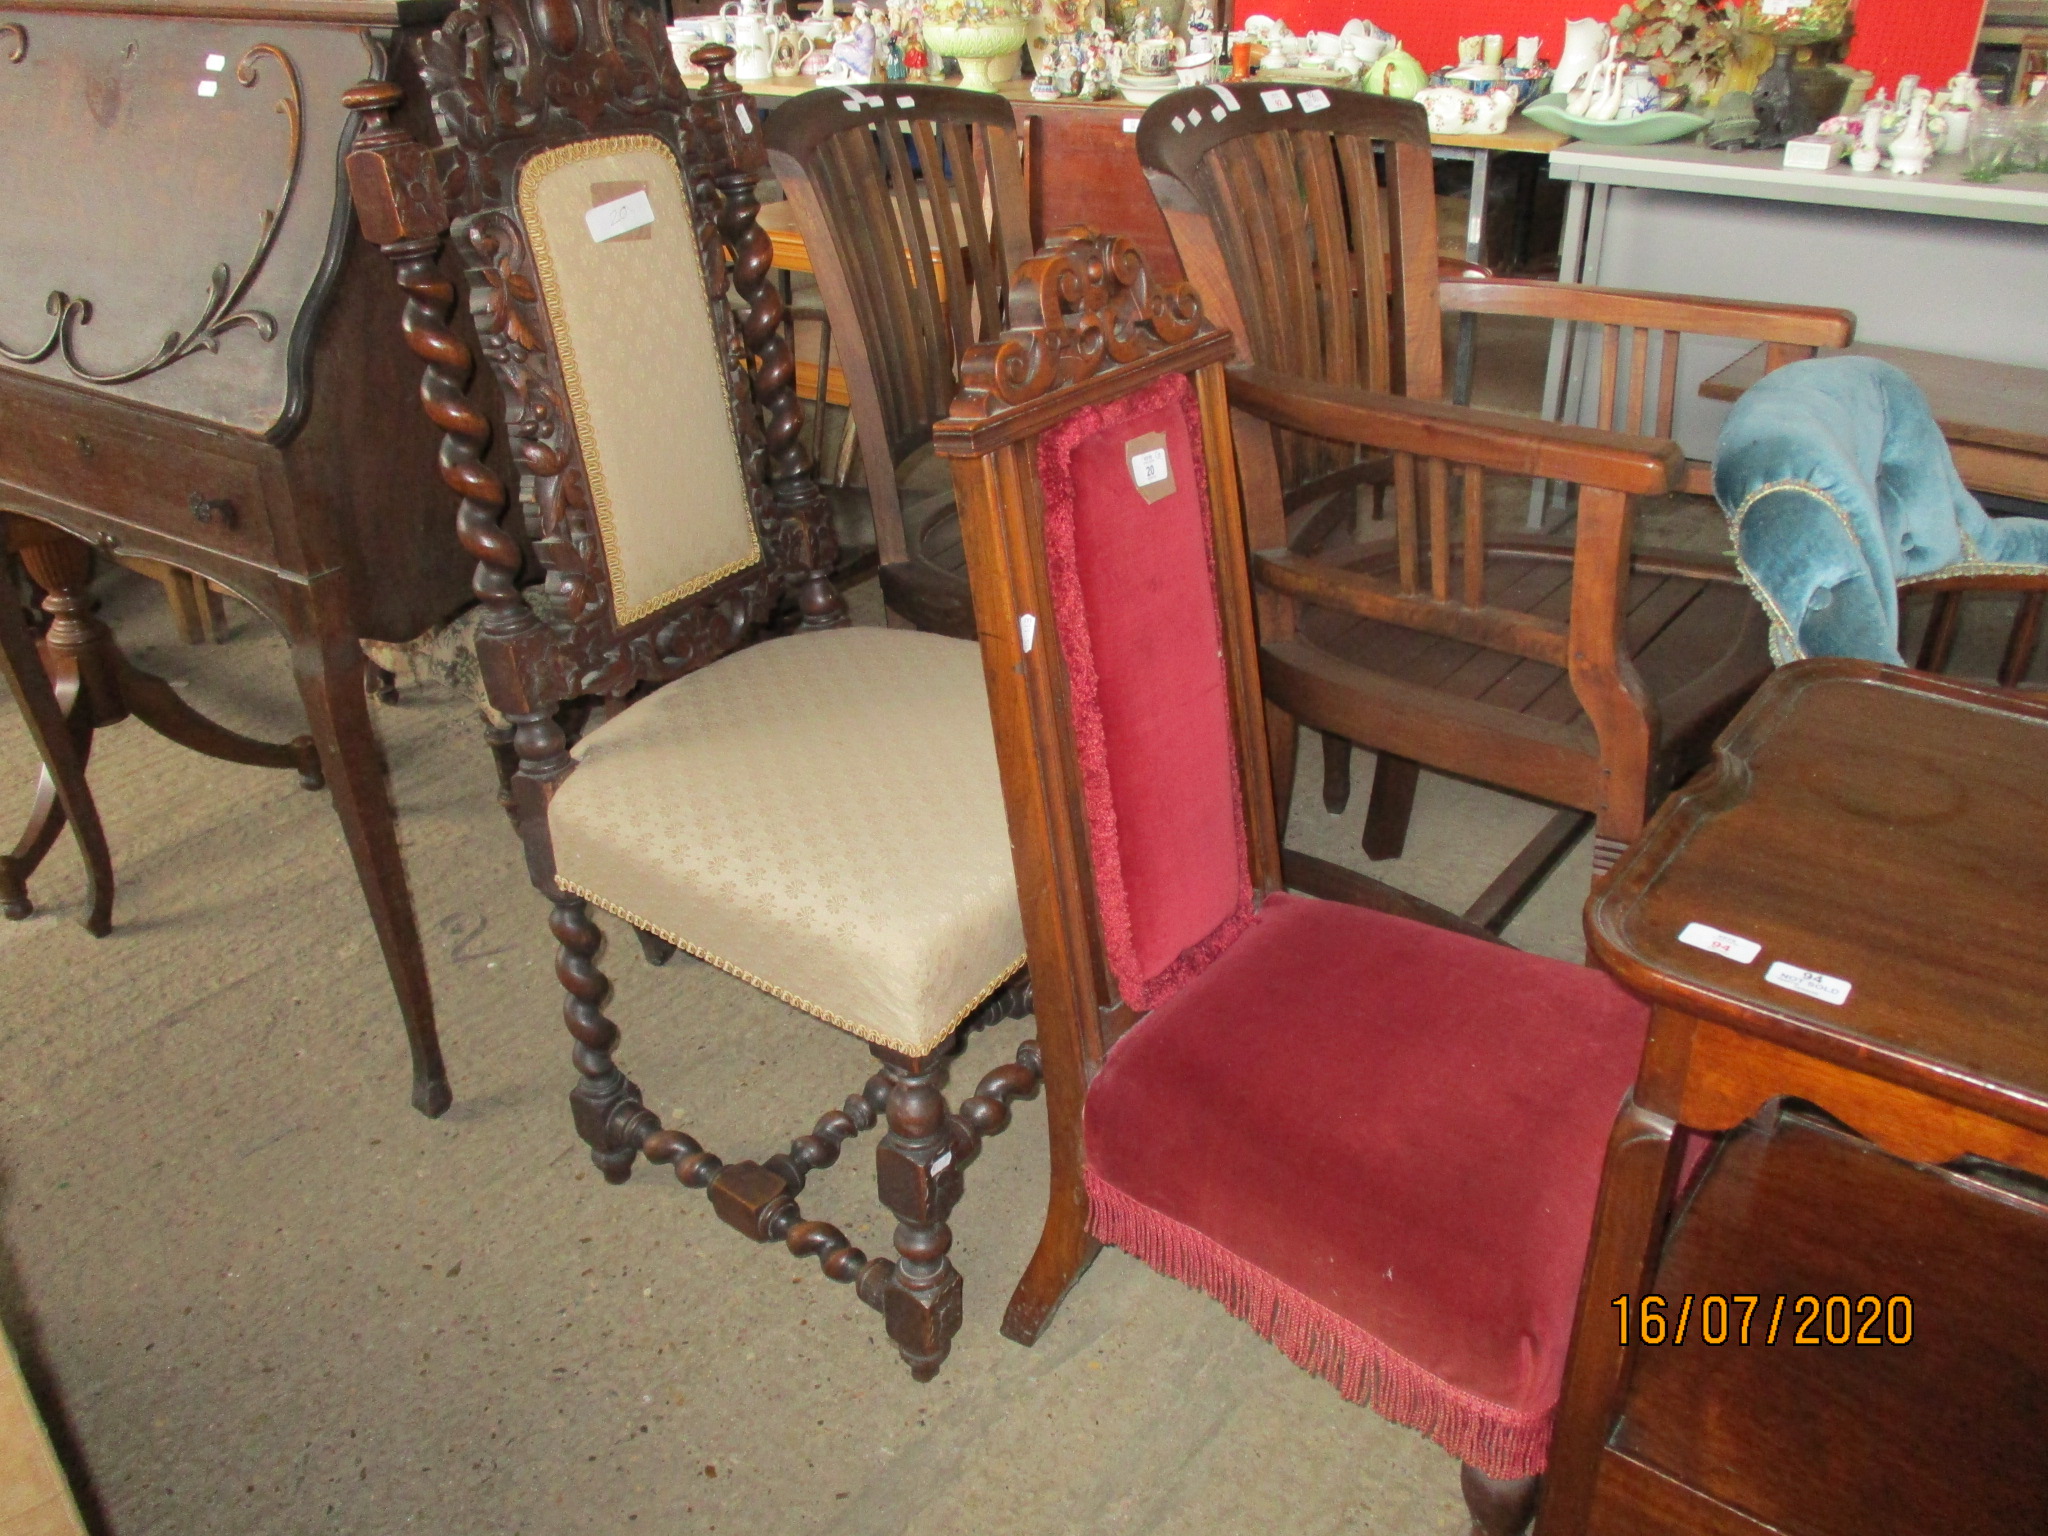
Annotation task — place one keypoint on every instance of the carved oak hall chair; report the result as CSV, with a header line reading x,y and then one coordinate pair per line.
x,y
1378,1142
818,814
911,202
1580,672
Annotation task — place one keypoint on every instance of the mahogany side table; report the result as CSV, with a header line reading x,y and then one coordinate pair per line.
x,y
1848,909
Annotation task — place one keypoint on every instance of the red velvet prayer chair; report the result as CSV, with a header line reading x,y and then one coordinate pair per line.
x,y
1376,1141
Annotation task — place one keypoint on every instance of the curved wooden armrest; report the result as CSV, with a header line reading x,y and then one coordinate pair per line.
x,y
1514,445
1788,324
1332,586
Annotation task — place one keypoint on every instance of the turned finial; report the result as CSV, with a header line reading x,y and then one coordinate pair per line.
x,y
375,99
715,59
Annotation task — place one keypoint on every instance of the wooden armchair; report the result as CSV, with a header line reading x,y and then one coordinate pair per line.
x,y
818,814
911,202
1377,1142
1580,672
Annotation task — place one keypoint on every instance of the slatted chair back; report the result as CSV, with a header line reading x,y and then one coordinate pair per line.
x,y
1307,220
911,198
599,233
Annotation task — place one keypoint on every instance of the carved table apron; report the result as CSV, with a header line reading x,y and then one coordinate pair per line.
x,y
201,363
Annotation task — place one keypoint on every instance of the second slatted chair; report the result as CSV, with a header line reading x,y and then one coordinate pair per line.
x,y
911,201
1582,672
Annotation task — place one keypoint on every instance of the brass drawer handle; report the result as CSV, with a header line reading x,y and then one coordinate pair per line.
x,y
205,511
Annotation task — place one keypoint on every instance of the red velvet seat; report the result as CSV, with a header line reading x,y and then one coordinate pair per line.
x,y
1379,1144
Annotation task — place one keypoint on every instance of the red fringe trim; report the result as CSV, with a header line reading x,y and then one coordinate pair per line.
x,y
1498,1441
1113,898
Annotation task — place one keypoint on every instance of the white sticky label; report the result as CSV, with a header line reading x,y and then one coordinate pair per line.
x,y
940,1164
1027,630
1217,113
1715,942
1793,978
1149,468
873,101
216,62
608,221
1131,125
1180,125
209,87
852,104
746,118
906,102
855,97
1276,101
1230,102
1313,101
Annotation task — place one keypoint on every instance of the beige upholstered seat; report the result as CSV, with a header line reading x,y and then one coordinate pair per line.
x,y
818,814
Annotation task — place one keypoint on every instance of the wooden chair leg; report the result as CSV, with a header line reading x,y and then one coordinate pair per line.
x,y
2020,644
1940,639
505,758
605,1101
919,1172
653,947
213,614
1387,812
184,604
1336,773
1282,746
1499,1506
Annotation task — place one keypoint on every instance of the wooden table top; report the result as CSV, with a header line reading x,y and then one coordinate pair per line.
x,y
1882,828
1996,404
1522,136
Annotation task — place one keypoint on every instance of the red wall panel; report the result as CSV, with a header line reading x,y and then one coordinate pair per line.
x,y
1931,38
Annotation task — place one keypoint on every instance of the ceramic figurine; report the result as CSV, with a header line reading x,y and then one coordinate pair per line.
x,y
1492,111
893,65
1598,95
1869,151
1912,149
1201,20
916,61
852,60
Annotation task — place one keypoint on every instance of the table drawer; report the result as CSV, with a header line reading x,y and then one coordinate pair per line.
x,y
182,490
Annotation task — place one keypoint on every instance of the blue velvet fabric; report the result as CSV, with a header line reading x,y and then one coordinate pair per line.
x,y
1840,489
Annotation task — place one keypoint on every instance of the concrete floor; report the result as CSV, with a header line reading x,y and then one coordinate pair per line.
x,y
258,1294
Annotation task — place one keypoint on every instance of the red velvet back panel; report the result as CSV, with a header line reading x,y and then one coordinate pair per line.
x,y
1134,593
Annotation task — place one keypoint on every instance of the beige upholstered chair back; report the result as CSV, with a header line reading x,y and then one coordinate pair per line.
x,y
615,248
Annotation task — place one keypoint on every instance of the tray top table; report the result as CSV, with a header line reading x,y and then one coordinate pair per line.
x,y
1847,909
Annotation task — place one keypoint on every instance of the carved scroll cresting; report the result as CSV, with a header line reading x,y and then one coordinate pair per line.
x,y
224,292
